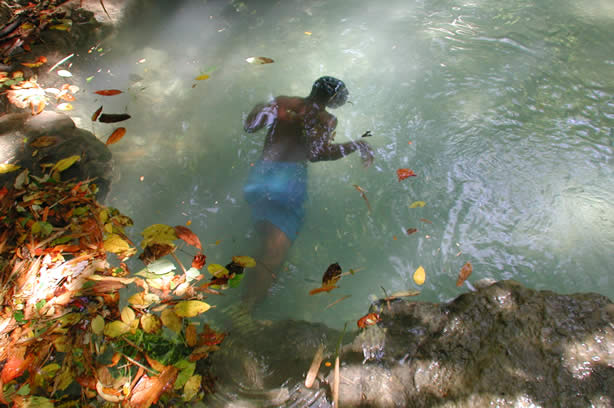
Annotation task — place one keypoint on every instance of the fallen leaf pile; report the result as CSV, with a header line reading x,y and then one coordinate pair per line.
x,y
62,325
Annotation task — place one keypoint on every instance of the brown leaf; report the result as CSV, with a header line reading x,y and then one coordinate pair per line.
x,y
199,261
464,273
155,251
44,141
188,236
116,136
411,231
332,275
113,117
149,389
96,114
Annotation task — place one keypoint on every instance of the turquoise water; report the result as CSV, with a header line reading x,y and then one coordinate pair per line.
x,y
504,109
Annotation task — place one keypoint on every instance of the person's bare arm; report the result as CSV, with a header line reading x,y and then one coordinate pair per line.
x,y
262,115
321,148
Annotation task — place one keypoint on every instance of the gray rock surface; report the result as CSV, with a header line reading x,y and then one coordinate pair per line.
x,y
504,345
19,130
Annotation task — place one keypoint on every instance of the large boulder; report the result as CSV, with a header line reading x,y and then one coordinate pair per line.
x,y
18,131
504,345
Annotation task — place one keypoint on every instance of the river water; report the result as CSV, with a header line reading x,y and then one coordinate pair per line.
x,y
503,109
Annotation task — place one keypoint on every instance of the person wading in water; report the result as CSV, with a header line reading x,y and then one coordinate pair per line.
x,y
300,130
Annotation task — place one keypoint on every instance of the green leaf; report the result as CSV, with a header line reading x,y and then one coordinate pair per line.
x,y
235,280
25,390
186,371
19,316
42,228
80,211
40,304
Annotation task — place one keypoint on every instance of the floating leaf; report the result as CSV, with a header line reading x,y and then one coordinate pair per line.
x,y
417,204
64,73
96,114
368,320
35,64
420,276
186,371
426,221
202,77
161,267
142,300
259,60
192,387
116,136
108,92
98,325
190,308
149,389
158,234
65,107
116,244
244,261
402,174
113,117
411,231
155,251
218,271
8,167
332,275
116,328
185,234
171,320
150,323
324,288
464,273
199,261
127,315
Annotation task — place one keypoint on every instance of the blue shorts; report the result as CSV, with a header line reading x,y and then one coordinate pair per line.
x,y
276,192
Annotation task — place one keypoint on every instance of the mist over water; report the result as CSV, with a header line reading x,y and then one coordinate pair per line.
x,y
504,109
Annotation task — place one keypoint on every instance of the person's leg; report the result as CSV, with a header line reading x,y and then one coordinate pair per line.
x,y
274,248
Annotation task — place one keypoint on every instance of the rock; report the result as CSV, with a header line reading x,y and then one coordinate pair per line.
x,y
503,345
19,130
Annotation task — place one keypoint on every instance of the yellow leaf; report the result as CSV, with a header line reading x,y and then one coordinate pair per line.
x,y
63,380
7,167
65,163
171,320
127,315
191,308
141,300
191,387
116,328
98,325
202,77
217,270
417,204
150,323
158,234
60,27
419,276
116,244
244,261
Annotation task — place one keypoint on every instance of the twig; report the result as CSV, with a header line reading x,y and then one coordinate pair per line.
x,y
336,384
105,10
61,62
315,367
337,301
136,363
179,262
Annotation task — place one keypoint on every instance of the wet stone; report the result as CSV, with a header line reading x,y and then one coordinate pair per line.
x,y
19,130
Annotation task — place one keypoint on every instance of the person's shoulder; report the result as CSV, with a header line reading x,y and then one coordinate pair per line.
x,y
290,100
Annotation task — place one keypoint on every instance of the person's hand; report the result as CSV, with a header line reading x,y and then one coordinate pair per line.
x,y
366,153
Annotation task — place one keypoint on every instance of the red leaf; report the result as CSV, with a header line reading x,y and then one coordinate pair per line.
x,y
323,288
116,136
16,365
109,92
405,173
368,320
3,192
188,236
199,261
